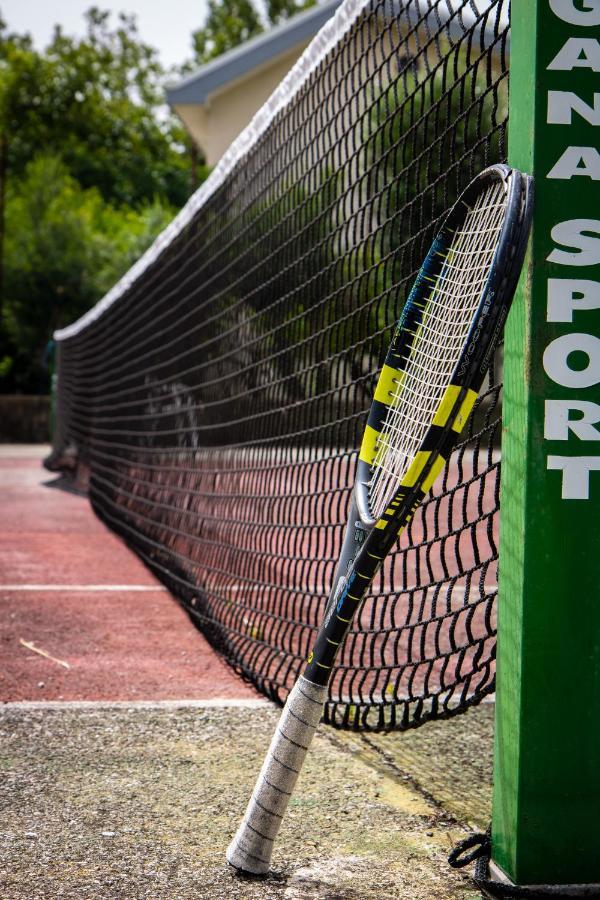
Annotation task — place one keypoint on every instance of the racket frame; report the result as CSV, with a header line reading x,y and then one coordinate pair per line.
x,y
360,559
368,539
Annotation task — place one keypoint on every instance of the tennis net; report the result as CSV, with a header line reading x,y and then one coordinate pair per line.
x,y
215,398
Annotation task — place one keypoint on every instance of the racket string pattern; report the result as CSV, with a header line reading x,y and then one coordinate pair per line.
x,y
445,316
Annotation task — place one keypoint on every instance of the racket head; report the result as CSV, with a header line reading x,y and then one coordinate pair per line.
x,y
442,345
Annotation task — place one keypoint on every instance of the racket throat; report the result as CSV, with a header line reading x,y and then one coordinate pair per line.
x,y
354,537
353,577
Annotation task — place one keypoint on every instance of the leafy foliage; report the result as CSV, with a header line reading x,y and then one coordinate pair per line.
x,y
279,10
92,167
227,25
65,247
98,102
231,22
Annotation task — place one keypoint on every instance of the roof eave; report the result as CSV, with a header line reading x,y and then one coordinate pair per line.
x,y
267,47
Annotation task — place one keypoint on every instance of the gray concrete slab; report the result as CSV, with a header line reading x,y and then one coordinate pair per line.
x,y
134,802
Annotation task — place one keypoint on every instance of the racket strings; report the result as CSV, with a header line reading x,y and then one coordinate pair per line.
x,y
437,343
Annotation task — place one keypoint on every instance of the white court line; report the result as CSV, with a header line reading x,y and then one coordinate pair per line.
x,y
225,703
78,588
222,703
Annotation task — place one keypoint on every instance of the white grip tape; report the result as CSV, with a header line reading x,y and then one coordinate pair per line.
x,y
252,846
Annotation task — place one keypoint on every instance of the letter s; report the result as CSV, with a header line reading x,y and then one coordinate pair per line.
x,y
571,233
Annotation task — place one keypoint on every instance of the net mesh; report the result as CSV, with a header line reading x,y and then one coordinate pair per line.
x,y
217,402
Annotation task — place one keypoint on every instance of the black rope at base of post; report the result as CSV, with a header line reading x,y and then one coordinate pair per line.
x,y
480,847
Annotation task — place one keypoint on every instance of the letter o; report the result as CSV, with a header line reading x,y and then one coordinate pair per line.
x,y
556,355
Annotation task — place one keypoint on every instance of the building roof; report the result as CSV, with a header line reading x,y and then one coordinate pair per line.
x,y
230,66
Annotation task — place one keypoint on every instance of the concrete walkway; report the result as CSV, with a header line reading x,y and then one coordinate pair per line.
x,y
132,802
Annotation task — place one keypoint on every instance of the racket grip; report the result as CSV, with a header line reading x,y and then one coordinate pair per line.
x,y
251,848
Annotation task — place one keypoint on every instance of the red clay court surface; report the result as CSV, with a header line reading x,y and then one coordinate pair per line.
x,y
74,590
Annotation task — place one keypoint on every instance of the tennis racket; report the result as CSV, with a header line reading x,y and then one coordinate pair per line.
x,y
440,352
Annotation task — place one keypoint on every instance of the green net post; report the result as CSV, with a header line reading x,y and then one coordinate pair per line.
x,y
547,755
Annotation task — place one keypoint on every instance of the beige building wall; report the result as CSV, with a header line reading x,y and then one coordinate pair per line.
x,y
214,124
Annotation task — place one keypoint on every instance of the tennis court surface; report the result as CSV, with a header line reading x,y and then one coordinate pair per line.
x,y
124,775
72,588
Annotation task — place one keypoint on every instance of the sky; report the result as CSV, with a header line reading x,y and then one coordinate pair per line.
x,y
165,24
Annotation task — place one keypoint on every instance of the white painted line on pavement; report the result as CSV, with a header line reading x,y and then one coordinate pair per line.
x,y
221,703
78,588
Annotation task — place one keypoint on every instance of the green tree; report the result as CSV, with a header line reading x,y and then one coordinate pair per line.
x,y
98,101
280,10
20,80
92,165
65,247
229,23
226,25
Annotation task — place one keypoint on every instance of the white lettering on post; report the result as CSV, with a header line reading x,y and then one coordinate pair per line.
x,y
557,421
556,360
583,161
565,295
588,15
576,474
577,53
575,233
562,105
573,360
